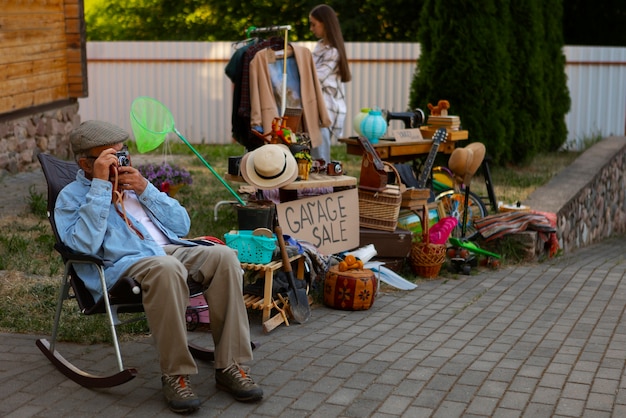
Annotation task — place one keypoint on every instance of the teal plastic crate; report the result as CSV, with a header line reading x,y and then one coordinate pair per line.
x,y
251,248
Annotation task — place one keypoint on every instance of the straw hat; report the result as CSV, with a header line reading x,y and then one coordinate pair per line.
x,y
269,167
465,161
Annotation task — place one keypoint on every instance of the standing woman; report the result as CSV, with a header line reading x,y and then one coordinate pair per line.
x,y
332,70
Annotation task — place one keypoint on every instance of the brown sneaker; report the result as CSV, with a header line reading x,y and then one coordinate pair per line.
x,y
180,398
235,379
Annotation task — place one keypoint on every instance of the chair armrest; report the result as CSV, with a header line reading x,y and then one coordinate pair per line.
x,y
68,254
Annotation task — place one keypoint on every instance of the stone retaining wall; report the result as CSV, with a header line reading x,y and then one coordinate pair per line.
x,y
589,196
21,139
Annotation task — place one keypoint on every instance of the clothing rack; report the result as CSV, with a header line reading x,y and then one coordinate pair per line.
x,y
286,28
253,30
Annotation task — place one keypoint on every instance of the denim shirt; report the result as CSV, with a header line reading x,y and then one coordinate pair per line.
x,y
88,223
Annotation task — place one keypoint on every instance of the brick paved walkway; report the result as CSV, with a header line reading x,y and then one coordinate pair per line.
x,y
540,340
536,340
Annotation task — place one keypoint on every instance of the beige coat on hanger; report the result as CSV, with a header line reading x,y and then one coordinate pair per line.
x,y
263,106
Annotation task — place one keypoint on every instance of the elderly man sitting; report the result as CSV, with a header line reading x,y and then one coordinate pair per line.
x,y
138,229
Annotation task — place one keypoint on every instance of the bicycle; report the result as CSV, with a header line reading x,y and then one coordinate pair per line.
x,y
454,204
462,204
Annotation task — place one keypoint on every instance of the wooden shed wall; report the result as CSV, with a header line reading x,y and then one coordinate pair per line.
x,y
42,53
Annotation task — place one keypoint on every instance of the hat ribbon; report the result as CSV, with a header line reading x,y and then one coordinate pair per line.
x,y
274,176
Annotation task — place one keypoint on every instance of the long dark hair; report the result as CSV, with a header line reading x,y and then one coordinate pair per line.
x,y
327,16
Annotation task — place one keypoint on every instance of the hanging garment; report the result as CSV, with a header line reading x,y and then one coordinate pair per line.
x,y
263,105
234,71
238,70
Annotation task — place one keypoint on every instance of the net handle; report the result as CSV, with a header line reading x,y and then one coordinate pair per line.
x,y
207,165
172,128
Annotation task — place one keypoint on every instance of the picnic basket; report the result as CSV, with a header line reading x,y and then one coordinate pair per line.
x,y
426,258
380,209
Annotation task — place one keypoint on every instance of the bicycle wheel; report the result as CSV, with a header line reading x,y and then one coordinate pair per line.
x,y
454,205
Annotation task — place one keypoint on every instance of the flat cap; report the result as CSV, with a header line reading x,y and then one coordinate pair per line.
x,y
95,133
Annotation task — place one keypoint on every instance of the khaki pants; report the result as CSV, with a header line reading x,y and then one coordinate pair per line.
x,y
165,296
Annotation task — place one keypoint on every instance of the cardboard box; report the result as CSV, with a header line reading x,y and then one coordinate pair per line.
x,y
329,221
388,244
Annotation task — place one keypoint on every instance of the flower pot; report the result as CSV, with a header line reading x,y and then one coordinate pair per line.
x,y
173,189
256,214
304,168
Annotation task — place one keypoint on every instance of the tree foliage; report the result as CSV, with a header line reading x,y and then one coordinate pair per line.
x,y
499,62
217,20
584,22
464,60
527,80
594,22
501,66
558,101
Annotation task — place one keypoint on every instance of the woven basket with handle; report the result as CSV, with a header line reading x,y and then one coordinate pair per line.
x,y
427,258
380,210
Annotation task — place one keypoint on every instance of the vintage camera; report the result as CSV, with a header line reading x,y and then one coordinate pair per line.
x,y
123,158
334,168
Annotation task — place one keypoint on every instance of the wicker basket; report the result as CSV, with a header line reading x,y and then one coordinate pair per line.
x,y
427,258
380,210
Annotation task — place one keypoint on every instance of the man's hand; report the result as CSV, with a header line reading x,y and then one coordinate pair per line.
x,y
102,164
129,178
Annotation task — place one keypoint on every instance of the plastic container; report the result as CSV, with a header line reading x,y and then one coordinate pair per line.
x,y
250,248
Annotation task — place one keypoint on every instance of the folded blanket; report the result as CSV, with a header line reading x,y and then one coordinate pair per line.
x,y
496,226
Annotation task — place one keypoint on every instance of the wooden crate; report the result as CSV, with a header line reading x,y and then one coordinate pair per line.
x,y
429,131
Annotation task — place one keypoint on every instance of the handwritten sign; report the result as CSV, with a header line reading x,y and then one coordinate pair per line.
x,y
330,221
407,135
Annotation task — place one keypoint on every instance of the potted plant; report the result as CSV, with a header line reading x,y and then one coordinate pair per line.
x,y
304,163
166,177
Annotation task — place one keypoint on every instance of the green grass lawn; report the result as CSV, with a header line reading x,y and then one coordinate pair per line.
x,y
30,268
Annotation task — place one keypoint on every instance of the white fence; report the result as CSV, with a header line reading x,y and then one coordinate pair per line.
x,y
189,78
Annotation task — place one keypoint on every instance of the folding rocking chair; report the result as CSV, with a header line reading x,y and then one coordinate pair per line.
x,y
123,297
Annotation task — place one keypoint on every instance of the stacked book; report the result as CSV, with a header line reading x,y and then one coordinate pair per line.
x,y
415,198
452,123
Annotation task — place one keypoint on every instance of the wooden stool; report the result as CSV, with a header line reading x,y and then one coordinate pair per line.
x,y
267,302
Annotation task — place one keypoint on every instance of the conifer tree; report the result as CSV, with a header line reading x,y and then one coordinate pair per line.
x,y
500,64
558,101
464,60
528,106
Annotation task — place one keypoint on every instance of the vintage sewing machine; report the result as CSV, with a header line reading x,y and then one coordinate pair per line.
x,y
413,119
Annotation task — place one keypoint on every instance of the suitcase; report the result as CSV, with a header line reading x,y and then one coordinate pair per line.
x,y
396,244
